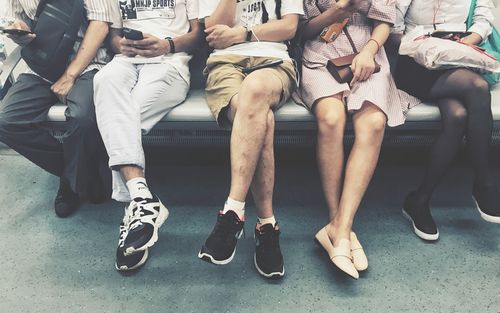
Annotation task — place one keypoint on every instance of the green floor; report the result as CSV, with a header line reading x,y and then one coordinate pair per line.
x,y
66,265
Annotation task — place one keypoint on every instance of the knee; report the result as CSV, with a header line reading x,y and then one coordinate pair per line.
x,y
455,119
331,121
82,119
372,127
260,90
479,84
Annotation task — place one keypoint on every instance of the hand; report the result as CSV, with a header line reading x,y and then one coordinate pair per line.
x,y
223,36
362,67
62,87
148,47
472,39
21,40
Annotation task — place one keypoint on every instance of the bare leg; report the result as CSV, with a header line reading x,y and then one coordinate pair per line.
x,y
263,182
260,91
369,126
331,116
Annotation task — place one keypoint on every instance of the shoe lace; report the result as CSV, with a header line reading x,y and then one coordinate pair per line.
x,y
225,228
137,214
268,237
127,218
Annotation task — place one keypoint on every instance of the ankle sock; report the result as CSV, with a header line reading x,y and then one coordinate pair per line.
x,y
138,188
237,207
268,220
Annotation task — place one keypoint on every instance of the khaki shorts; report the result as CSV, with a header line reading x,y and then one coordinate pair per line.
x,y
224,78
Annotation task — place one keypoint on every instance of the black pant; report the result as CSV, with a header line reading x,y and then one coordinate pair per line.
x,y
23,114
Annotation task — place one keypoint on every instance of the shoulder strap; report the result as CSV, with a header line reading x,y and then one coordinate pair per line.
x,y
470,17
40,7
346,32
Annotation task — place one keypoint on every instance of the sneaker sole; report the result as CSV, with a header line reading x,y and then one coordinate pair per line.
x,y
484,216
162,217
270,275
125,268
210,259
419,233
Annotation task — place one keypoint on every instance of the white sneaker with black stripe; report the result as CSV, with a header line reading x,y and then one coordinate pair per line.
x,y
146,219
128,262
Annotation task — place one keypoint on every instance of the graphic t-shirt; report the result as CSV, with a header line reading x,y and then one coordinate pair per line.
x,y
160,18
250,13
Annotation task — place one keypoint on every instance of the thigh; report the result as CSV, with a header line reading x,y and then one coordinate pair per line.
x,y
223,84
80,99
27,101
117,74
160,88
159,84
456,83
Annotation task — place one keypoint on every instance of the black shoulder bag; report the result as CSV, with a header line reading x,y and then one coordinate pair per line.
x,y
57,23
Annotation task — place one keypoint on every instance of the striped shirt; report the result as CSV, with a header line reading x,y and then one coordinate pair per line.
x,y
97,10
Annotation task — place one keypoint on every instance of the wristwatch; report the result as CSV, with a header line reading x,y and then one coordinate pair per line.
x,y
171,43
249,35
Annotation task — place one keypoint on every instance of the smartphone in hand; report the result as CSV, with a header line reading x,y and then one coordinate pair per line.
x,y
15,32
132,34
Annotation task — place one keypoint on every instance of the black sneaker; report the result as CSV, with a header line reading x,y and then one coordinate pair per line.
x,y
421,218
268,258
146,219
128,262
487,200
220,246
66,201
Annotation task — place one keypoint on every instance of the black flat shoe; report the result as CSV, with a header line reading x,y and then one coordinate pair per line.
x,y
67,201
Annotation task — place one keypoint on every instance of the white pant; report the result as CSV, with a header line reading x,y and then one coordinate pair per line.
x,y
130,99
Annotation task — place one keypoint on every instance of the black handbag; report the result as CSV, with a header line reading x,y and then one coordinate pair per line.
x,y
57,23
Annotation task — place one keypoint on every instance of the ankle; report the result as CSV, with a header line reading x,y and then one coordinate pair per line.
x,y
419,198
337,231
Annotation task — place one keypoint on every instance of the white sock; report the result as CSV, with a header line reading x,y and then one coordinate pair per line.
x,y
235,206
138,188
268,220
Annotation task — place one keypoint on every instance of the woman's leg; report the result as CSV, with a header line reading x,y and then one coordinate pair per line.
x,y
369,126
473,92
331,116
444,149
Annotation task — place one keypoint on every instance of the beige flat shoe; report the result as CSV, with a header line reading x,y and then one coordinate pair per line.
x,y
340,255
358,254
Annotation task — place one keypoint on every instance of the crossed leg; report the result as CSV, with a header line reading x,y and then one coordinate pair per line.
x,y
252,153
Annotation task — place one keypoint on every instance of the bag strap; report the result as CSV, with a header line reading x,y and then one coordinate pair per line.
x,y
470,17
346,32
40,8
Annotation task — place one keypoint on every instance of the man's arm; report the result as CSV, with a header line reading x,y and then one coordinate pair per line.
x,y
152,46
94,37
223,15
223,36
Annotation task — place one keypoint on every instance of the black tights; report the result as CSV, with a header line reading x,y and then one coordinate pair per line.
x,y
464,101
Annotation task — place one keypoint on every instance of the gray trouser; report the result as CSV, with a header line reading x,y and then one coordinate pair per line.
x,y
130,100
23,113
